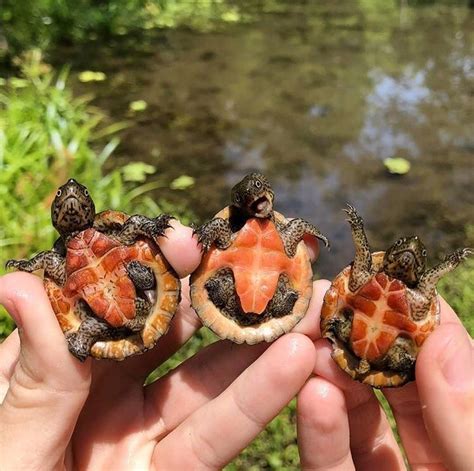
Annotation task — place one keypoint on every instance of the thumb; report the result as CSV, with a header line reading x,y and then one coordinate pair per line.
x,y
47,386
445,380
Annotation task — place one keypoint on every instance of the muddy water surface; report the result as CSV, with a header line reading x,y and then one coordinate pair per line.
x,y
315,95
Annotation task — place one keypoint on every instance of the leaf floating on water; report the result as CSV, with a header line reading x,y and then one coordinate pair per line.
x,y
182,182
91,76
138,105
397,165
137,171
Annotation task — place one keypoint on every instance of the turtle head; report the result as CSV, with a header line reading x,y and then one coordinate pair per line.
x,y
406,260
72,209
254,196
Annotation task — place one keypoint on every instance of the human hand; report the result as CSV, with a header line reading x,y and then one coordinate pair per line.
x,y
56,412
342,426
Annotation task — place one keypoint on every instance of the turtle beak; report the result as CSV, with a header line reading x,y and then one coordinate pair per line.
x,y
262,206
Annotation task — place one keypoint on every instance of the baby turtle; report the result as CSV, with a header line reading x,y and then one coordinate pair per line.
x,y
380,309
113,292
255,279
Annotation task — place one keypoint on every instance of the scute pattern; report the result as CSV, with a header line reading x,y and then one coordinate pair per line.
x,y
381,313
257,258
95,265
94,254
270,329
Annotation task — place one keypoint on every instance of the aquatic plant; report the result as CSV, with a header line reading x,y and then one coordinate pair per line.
x,y
45,23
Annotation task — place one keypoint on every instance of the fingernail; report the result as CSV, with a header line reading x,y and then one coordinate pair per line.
x,y
456,362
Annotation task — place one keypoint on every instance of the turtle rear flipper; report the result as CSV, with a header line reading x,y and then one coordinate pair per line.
x,y
90,331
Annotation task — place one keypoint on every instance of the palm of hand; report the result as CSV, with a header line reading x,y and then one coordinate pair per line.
x,y
99,415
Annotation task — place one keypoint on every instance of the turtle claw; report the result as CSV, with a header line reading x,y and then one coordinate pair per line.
x,y
16,264
10,264
459,255
353,217
327,244
160,224
204,237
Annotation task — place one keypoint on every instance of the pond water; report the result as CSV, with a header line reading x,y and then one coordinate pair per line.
x,y
315,95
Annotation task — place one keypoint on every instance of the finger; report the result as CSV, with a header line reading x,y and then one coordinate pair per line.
x,y
165,403
47,386
406,408
447,314
323,427
312,245
405,403
9,354
309,325
42,341
226,358
180,248
373,445
216,432
194,383
445,379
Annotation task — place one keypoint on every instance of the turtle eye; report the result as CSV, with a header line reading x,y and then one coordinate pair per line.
x,y
59,193
237,198
86,192
258,184
424,253
399,242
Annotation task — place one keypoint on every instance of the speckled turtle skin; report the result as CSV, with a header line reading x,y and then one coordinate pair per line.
x,y
113,292
379,310
255,279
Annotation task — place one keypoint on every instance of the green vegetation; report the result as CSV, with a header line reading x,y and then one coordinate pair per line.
x,y
46,136
458,291
43,23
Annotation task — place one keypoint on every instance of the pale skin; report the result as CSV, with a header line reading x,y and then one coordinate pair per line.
x,y
98,414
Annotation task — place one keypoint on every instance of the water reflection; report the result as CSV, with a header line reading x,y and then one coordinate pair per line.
x,y
391,96
316,96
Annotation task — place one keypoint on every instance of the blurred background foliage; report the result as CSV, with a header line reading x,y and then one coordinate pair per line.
x,y
45,23
156,143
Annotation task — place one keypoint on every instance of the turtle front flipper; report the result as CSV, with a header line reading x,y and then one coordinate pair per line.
x,y
216,231
52,262
362,265
422,296
142,226
293,232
